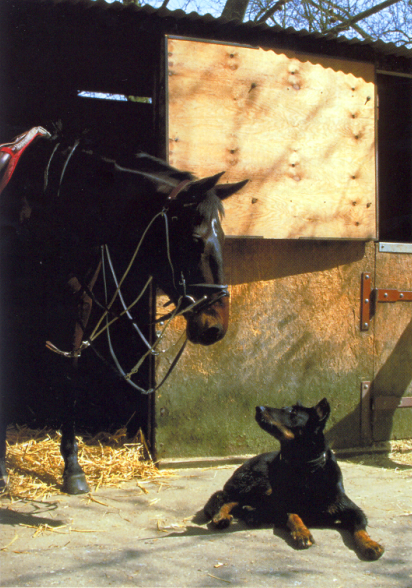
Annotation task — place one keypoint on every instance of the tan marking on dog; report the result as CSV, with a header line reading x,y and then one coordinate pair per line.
x,y
299,531
223,517
370,549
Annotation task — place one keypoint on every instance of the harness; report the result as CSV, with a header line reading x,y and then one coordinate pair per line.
x,y
186,294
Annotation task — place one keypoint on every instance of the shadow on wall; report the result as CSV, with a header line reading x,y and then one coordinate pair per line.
x,y
393,379
254,260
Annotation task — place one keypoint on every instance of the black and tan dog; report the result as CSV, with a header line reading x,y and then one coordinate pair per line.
x,y
302,482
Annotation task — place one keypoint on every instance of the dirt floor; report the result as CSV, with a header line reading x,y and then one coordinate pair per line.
x,y
151,534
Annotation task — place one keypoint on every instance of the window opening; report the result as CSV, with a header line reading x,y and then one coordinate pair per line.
x,y
113,97
395,159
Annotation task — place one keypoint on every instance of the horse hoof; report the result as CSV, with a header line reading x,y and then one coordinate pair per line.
x,y
75,484
4,478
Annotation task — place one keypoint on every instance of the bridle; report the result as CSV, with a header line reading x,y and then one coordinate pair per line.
x,y
206,294
191,299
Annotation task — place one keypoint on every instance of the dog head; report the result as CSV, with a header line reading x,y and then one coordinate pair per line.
x,y
293,422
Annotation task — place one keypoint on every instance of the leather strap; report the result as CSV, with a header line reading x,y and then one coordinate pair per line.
x,y
178,189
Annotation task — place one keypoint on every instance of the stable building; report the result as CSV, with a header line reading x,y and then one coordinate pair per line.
x,y
319,243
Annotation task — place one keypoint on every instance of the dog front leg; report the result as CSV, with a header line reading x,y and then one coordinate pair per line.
x,y
299,531
354,519
369,548
223,518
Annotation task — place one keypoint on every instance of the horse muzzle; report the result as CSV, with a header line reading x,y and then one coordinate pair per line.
x,y
209,325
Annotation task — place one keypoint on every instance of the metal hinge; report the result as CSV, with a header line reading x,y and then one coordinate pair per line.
x,y
391,402
370,297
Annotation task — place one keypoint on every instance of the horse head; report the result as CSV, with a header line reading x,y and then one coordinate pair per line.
x,y
198,240
192,273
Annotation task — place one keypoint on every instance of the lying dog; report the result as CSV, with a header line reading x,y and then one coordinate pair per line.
x,y
302,481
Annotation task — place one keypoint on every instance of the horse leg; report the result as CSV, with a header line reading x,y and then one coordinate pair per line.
x,y
74,479
3,470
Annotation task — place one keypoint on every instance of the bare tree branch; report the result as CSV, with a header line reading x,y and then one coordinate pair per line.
x,y
350,21
235,9
271,11
361,32
335,15
389,20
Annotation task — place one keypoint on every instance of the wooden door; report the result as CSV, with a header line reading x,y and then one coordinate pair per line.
x,y
392,383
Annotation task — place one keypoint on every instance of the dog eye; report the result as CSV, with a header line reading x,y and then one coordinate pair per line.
x,y
293,413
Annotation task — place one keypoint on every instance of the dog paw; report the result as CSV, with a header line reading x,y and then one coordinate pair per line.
x,y
371,550
299,532
222,521
303,538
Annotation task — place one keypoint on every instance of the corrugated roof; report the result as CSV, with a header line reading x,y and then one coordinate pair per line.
x,y
221,27
208,20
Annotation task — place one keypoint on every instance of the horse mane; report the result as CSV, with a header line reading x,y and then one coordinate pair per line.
x,y
141,161
207,208
66,142
148,163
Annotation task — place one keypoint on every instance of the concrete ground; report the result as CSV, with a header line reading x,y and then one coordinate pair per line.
x,y
152,536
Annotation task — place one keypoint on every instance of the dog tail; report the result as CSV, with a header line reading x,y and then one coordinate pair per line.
x,y
214,504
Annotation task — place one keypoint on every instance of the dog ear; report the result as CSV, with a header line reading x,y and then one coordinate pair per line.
x,y
323,410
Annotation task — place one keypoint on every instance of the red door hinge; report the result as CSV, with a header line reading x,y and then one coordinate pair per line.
x,y
370,298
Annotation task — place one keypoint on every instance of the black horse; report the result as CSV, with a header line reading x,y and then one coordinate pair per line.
x,y
67,205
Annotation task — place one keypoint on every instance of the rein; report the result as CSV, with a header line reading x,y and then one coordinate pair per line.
x,y
206,291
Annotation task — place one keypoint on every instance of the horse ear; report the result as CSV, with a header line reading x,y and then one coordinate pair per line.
x,y
226,190
199,187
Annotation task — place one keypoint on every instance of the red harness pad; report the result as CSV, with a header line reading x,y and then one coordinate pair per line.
x,y
10,153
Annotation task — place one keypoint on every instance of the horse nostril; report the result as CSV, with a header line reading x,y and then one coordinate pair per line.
x,y
212,335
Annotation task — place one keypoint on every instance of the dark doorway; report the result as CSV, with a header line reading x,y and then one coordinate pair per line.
x,y
395,158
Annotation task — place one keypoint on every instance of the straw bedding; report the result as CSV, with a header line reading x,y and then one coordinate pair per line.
x,y
35,465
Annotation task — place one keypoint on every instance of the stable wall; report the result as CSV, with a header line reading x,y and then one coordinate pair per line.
x,y
294,336
304,130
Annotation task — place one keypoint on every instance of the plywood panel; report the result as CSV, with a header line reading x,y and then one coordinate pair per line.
x,y
293,336
301,129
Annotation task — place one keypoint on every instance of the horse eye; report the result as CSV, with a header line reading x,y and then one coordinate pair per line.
x,y
198,241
